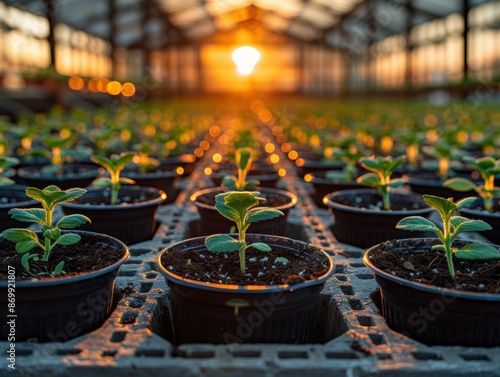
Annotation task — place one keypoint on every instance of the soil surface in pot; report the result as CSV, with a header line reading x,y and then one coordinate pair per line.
x,y
495,210
66,170
421,264
88,255
374,202
261,267
13,200
272,199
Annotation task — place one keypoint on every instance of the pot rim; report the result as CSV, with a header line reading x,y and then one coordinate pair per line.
x,y
92,171
46,282
18,189
293,198
422,286
342,207
246,289
154,201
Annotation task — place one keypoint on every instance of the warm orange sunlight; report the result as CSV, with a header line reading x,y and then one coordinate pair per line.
x,y
245,58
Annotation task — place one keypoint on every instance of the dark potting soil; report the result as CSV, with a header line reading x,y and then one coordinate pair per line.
x,y
261,267
423,265
68,171
13,200
374,202
272,199
87,255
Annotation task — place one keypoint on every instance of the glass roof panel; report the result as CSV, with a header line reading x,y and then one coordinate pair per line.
x,y
275,22
290,8
318,16
188,16
303,31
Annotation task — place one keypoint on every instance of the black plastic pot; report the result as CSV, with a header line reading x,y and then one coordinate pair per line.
x,y
267,177
211,222
305,166
13,196
162,179
59,309
130,223
428,182
437,316
476,211
367,227
74,175
323,186
271,314
184,161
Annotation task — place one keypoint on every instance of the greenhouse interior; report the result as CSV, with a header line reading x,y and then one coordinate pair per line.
x,y
226,158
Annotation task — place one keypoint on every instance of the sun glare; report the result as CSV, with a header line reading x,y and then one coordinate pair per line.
x,y
245,59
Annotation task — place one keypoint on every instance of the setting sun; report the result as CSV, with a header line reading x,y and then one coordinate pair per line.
x,y
245,58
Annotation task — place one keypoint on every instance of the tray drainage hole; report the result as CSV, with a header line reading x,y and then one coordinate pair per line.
x,y
364,276
128,318
197,354
325,244
138,251
377,339
340,268
133,261
384,356
341,355
24,352
347,290
246,354
293,355
145,287
150,353
341,277
426,356
365,320
124,272
357,264
356,304
68,351
150,275
475,357
118,336
109,353
166,240
135,303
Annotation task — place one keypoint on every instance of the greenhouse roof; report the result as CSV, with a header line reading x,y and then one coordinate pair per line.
x,y
323,21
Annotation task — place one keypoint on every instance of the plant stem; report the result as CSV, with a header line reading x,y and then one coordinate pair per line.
x,y
385,196
114,194
48,225
447,247
241,237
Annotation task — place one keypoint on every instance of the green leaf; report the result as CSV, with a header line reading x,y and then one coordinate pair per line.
x,y
462,224
102,182
124,160
395,183
394,164
417,223
57,269
460,184
68,239
25,246
466,202
439,247
370,164
229,181
227,212
484,162
19,235
126,181
478,251
31,215
281,260
369,179
244,158
260,246
72,221
69,195
260,214
4,181
222,243
445,207
25,261
38,195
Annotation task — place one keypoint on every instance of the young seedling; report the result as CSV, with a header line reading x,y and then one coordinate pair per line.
x,y
349,157
146,163
114,166
488,168
444,153
238,206
382,168
244,159
26,240
6,163
452,225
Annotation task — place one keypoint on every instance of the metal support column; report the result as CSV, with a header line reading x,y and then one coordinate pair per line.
x,y
50,13
112,36
465,13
